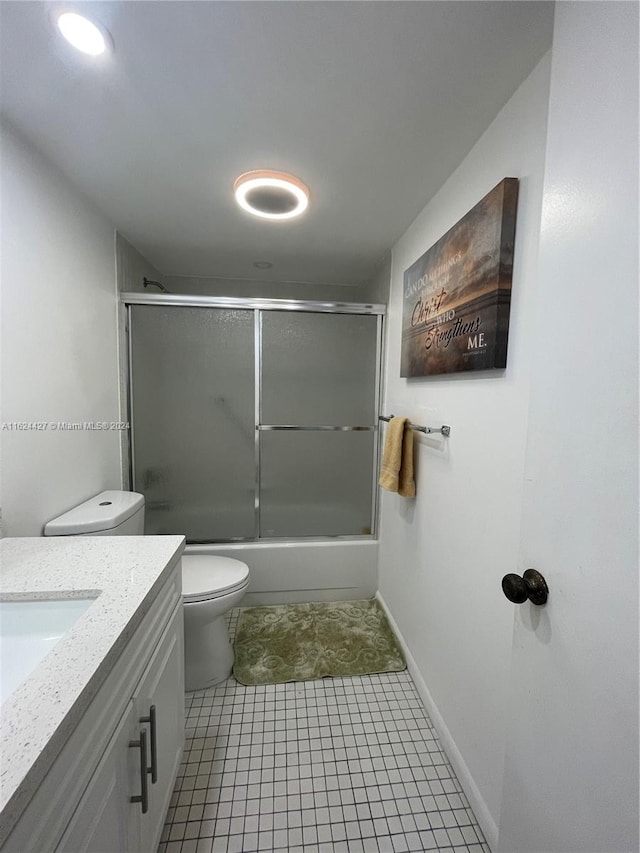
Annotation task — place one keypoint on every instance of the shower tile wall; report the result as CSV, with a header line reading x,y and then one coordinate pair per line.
x,y
351,765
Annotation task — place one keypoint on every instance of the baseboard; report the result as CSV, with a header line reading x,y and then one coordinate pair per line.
x,y
487,823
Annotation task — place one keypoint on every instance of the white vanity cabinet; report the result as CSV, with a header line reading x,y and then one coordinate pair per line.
x,y
140,761
127,745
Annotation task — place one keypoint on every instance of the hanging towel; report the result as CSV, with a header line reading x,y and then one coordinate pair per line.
x,y
396,474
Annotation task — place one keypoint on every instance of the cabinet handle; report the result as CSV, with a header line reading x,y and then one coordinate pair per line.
x,y
143,797
151,719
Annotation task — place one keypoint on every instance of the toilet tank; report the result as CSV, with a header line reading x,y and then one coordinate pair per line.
x,y
111,513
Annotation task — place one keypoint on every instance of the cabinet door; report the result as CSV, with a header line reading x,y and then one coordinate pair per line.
x,y
162,688
106,821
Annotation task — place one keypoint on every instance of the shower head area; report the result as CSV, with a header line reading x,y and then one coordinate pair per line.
x,y
146,282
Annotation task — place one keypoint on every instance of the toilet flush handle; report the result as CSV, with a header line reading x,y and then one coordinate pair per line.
x,y
530,586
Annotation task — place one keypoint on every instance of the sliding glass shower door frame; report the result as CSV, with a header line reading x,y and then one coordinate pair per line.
x,y
259,306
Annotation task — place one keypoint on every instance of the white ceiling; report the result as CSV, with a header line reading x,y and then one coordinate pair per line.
x,y
372,104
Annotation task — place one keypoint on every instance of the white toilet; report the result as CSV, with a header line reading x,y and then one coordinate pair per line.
x,y
211,585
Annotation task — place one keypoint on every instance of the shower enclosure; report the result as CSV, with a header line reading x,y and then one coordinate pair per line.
x,y
254,419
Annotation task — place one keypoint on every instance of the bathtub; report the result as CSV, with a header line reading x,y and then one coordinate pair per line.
x,y
289,572
284,570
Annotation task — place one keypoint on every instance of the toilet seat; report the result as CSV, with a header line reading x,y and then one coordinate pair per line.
x,y
206,577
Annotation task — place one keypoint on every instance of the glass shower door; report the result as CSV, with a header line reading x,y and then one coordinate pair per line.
x,y
317,425
192,377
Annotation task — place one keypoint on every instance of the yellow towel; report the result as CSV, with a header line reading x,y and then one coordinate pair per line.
x,y
396,474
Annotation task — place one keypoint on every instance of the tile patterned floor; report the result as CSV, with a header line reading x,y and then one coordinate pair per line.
x,y
343,765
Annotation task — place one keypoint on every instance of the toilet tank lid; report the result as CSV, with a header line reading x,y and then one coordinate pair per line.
x,y
102,512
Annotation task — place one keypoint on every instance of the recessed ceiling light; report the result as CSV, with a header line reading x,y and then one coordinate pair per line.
x,y
83,34
271,195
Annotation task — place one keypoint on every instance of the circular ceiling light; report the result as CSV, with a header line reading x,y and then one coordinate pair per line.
x,y
83,34
271,195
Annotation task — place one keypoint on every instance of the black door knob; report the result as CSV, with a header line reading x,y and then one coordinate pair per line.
x,y
530,586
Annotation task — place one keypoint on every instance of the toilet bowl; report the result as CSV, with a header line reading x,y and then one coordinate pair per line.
x,y
211,585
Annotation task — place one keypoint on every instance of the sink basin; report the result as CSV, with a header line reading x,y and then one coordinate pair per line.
x,y
28,632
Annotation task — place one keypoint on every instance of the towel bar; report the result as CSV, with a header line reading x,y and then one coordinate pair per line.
x,y
443,430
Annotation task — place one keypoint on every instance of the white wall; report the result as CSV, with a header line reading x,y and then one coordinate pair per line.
x,y
254,288
376,290
58,341
442,555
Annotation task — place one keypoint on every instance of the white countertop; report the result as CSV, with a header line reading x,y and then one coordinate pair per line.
x,y
125,573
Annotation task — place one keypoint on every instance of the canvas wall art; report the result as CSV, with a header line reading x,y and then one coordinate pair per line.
x,y
457,295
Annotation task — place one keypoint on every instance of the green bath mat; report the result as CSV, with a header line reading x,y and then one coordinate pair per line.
x,y
298,642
